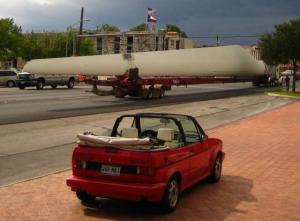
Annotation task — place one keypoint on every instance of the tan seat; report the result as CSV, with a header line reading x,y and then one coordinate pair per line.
x,y
130,132
167,135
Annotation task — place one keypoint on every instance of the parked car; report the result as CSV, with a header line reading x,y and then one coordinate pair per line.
x,y
8,78
26,79
147,156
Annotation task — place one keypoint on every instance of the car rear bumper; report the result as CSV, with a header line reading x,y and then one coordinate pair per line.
x,y
118,190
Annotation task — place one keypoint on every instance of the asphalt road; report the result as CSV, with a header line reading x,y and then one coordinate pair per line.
x,y
28,105
37,148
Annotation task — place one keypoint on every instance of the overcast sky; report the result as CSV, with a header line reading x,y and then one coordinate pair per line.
x,y
199,18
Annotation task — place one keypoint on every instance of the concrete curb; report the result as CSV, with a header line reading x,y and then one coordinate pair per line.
x,y
280,95
36,177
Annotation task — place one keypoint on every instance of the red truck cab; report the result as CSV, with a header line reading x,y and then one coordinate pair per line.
x,y
148,156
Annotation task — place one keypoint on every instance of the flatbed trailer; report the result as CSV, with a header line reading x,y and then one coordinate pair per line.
x,y
154,87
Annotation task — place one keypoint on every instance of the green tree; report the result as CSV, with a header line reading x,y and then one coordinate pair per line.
x,y
45,45
140,27
283,45
86,47
11,39
107,28
175,28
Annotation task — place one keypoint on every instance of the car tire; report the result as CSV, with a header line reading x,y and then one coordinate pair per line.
x,y
40,84
54,86
10,84
216,172
84,197
171,195
71,83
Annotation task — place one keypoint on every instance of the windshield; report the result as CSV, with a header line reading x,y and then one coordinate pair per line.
x,y
162,131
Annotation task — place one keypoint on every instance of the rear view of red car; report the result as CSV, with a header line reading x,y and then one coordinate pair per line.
x,y
149,157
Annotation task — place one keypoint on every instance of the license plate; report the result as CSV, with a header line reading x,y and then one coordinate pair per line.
x,y
110,170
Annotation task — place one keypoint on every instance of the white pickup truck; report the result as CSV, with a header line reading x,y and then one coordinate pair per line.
x,y
25,79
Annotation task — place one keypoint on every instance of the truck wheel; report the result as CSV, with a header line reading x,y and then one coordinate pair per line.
x,y
255,83
150,94
118,93
71,83
54,86
162,92
171,196
85,197
216,172
21,86
10,84
40,84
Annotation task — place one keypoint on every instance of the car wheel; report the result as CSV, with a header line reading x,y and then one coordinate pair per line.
x,y
10,84
217,170
40,84
85,197
171,195
71,83
54,86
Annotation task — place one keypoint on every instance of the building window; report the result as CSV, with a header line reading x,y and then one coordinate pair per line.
x,y
99,45
129,44
177,44
156,43
167,44
172,43
117,45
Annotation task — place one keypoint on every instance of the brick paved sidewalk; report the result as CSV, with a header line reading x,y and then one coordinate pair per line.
x,y
261,181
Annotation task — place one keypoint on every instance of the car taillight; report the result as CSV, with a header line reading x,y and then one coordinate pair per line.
x,y
77,164
74,163
145,171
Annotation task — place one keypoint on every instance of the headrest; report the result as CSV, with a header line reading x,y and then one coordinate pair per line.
x,y
165,134
130,132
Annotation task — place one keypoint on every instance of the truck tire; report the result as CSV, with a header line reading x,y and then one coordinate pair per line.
x,y
71,83
54,86
162,92
21,86
150,93
40,84
10,84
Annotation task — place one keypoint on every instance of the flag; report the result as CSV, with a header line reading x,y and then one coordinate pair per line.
x,y
151,11
151,17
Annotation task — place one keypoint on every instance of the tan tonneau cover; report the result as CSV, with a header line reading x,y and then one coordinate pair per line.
x,y
118,142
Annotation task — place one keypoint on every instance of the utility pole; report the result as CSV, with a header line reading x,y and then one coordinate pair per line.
x,y
80,30
81,21
218,42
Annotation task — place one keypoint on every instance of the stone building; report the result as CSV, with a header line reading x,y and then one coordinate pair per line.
x,y
15,63
127,42
254,50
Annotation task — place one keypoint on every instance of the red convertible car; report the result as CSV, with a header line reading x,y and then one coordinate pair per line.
x,y
146,156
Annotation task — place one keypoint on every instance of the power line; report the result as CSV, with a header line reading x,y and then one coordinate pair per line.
x,y
227,36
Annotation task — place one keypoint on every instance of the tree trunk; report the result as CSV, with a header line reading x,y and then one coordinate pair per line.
x,y
294,75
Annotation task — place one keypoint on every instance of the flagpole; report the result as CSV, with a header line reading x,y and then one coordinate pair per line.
x,y
147,22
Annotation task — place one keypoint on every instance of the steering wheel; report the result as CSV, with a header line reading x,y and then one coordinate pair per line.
x,y
149,133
